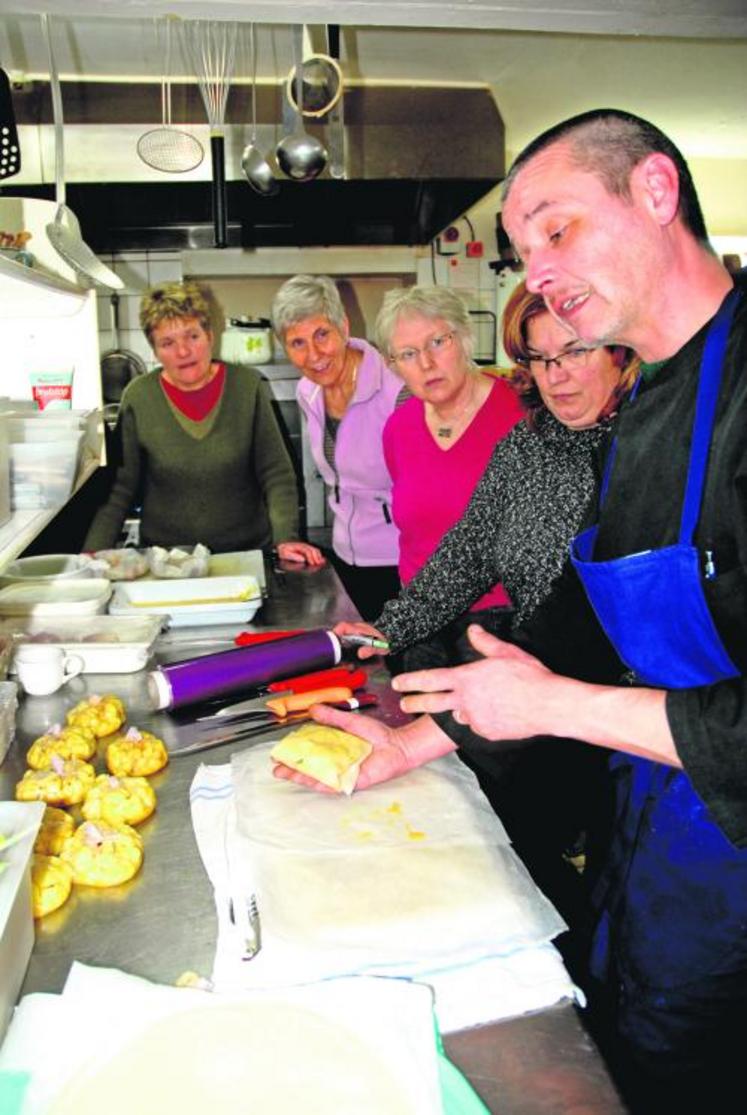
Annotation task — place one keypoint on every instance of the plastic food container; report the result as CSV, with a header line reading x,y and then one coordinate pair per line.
x,y
75,597
6,653
106,644
194,601
35,429
50,465
46,567
8,707
16,922
26,410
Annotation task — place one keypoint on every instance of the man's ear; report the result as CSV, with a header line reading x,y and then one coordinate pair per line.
x,y
346,327
655,184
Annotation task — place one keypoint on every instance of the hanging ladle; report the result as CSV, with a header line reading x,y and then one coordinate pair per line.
x,y
255,166
300,155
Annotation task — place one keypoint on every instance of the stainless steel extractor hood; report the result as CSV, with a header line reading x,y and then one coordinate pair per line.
x,y
416,158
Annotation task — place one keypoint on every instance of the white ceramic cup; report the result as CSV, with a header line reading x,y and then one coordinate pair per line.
x,y
43,669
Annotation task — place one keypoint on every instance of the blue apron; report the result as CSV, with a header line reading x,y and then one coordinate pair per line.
x,y
673,896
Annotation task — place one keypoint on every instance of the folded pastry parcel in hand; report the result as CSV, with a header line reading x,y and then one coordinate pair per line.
x,y
329,755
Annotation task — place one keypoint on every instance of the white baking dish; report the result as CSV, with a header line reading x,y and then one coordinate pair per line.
x,y
192,602
107,644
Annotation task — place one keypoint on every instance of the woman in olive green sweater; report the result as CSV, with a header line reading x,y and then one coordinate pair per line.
x,y
201,449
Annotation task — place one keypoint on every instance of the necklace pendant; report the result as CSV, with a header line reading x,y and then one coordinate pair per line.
x,y
443,431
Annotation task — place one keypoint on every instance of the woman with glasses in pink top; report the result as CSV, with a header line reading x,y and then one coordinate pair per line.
x,y
437,444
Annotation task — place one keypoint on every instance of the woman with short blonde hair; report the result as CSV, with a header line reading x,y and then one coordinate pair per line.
x,y
200,445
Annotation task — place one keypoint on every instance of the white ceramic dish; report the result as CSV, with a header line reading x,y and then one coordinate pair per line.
x,y
193,602
107,644
76,597
16,923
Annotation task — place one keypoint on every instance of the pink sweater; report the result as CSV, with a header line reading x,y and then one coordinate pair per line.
x,y
431,487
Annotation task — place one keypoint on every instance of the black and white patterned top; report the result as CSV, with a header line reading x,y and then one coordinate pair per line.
x,y
517,529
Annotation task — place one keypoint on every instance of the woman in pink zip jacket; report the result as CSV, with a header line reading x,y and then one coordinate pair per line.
x,y
346,393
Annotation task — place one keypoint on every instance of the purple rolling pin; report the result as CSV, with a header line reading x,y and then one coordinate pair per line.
x,y
213,675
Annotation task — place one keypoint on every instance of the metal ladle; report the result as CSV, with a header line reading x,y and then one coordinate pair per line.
x,y
255,166
300,155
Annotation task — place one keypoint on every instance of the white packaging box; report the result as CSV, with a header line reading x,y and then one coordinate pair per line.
x,y
16,921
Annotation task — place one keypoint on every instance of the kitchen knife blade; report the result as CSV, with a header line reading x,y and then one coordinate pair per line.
x,y
254,729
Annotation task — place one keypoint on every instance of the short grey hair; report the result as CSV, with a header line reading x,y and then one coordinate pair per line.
x,y
423,301
306,296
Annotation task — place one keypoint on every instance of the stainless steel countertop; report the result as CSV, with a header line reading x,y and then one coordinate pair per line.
x,y
163,922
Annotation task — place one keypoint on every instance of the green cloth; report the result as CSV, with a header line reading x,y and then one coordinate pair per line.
x,y
226,481
12,1090
457,1094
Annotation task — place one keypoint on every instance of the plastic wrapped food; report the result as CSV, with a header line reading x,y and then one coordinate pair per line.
x,y
178,562
120,565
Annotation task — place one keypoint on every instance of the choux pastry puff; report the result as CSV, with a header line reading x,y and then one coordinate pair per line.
x,y
68,743
137,753
103,855
101,715
119,801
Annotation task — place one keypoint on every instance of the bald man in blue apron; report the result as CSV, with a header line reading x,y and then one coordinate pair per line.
x,y
643,646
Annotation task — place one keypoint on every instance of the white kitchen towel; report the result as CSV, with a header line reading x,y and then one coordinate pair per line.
x,y
416,870
383,1026
487,988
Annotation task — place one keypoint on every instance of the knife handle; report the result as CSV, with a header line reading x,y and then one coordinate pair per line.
x,y
252,638
297,702
322,679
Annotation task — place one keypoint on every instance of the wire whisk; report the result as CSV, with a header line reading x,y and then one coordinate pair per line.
x,y
212,51
211,46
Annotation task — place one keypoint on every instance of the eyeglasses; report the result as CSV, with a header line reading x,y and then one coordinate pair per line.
x,y
570,358
406,357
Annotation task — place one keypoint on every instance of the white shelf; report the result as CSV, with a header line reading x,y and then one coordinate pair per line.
x,y
53,296
49,321
366,260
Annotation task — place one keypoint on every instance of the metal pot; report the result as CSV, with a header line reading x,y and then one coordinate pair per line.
x,y
118,365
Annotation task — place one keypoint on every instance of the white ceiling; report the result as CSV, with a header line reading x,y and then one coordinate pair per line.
x,y
695,88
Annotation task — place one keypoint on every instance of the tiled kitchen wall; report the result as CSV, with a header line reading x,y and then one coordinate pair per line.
x,y
138,270
248,295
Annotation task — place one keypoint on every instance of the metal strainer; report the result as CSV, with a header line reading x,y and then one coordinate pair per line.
x,y
167,148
